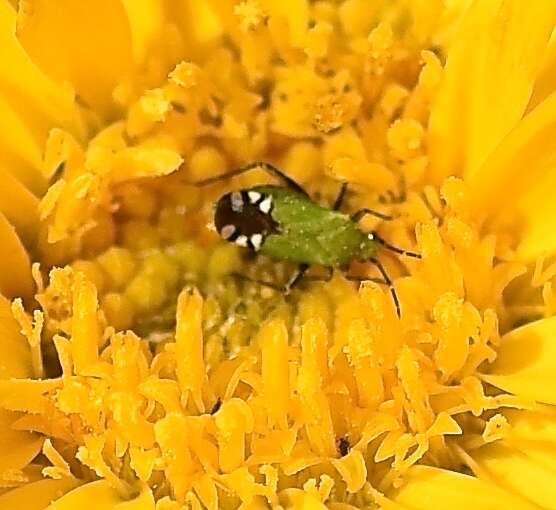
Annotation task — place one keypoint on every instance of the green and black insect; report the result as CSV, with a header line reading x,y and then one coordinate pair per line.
x,y
283,223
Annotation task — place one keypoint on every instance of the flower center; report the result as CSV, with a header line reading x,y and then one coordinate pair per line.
x,y
207,387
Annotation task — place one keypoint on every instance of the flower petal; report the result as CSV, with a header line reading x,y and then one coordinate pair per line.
x,y
429,488
146,20
85,43
36,495
516,183
19,206
15,271
20,153
40,102
533,432
519,473
101,496
14,349
526,362
546,79
488,79
17,447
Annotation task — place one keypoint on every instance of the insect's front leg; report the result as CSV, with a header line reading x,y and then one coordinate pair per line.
x,y
340,198
357,216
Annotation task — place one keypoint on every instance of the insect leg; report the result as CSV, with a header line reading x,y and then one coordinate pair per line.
x,y
395,249
386,281
258,282
296,277
327,278
292,280
340,198
267,167
364,212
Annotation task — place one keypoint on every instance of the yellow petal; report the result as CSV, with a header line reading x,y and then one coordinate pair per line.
x,y
15,266
538,424
352,469
518,473
297,499
516,181
20,152
14,349
85,43
526,362
429,488
100,496
197,22
541,452
146,20
27,394
488,79
36,495
40,102
137,162
17,447
19,206
546,79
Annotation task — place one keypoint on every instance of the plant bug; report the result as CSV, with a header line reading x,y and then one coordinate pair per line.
x,y
283,223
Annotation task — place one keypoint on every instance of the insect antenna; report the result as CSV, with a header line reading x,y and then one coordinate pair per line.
x,y
267,167
395,249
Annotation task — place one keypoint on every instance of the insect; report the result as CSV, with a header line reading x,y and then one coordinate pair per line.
x,y
283,223
343,446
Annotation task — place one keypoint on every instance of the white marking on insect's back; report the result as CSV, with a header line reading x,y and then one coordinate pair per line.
x,y
227,231
237,202
257,241
254,196
266,205
370,236
242,241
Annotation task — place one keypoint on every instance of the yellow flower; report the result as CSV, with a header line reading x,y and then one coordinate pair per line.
x,y
136,372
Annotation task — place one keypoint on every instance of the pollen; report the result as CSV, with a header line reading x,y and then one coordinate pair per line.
x,y
250,14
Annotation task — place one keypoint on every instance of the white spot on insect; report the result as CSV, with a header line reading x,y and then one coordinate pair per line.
x,y
254,196
237,202
227,231
266,205
242,241
257,241
371,236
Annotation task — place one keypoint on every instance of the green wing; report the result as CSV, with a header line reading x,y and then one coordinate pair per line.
x,y
311,234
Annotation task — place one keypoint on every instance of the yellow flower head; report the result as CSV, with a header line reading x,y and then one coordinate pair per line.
x,y
143,365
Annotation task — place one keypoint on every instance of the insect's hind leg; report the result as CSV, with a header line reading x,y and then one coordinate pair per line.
x,y
384,281
267,167
293,280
